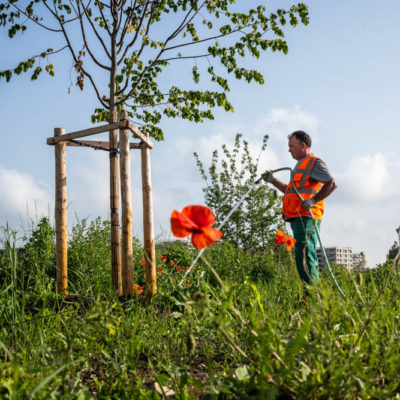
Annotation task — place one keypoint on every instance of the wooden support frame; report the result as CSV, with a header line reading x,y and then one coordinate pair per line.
x,y
122,262
61,213
116,268
126,226
98,143
148,223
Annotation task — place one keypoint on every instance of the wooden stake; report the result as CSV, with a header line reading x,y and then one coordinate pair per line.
x,y
84,133
98,143
125,174
148,224
116,275
61,214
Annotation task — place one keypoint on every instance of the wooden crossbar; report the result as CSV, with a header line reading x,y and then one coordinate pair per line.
x,y
121,238
84,132
99,143
140,135
124,124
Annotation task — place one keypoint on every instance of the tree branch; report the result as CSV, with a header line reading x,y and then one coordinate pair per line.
x,y
202,40
184,57
87,46
121,9
74,55
104,19
97,34
34,20
135,37
184,22
125,27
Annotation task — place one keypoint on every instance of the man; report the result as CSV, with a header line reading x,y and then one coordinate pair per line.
x,y
314,183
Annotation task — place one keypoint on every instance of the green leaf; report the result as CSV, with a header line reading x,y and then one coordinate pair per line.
x,y
242,373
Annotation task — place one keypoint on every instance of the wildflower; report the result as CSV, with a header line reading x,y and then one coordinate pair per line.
x,y
159,270
286,240
187,268
143,261
172,263
290,243
189,282
195,221
178,268
163,258
137,289
280,237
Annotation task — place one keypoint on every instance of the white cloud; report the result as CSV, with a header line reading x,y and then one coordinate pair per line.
x,y
363,212
87,183
369,179
362,227
22,197
280,122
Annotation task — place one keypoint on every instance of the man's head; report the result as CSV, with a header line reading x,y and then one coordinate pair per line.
x,y
299,144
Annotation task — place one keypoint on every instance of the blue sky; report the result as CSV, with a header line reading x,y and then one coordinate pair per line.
x,y
340,82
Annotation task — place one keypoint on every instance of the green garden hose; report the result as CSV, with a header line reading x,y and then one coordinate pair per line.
x,y
315,226
240,201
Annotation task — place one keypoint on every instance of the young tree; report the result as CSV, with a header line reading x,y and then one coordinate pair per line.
x,y
133,42
123,48
392,253
253,224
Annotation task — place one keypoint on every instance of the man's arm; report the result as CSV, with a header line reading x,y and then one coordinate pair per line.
x,y
326,190
279,185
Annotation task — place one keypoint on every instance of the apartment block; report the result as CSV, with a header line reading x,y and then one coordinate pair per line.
x,y
343,256
359,261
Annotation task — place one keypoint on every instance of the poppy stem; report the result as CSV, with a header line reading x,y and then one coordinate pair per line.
x,y
234,310
229,338
214,272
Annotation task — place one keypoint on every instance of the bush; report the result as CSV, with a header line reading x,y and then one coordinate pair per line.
x,y
228,179
89,258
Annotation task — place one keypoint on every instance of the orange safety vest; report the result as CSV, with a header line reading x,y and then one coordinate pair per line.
x,y
301,178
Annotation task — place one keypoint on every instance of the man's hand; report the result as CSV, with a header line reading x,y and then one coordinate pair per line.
x,y
267,176
309,203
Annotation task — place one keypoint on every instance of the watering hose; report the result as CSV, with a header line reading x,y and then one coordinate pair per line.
x,y
221,225
315,227
238,204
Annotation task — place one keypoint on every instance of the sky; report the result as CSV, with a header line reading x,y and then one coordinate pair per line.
x,y
339,82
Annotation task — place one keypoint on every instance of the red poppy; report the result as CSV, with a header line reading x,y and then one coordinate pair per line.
x,y
286,240
159,270
189,282
172,263
187,268
280,237
143,261
178,268
195,221
137,289
164,258
290,243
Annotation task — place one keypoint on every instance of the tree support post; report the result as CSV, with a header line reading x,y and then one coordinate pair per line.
x,y
116,274
61,213
148,223
126,209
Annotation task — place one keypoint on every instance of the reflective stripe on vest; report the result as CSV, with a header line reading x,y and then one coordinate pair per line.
x,y
301,178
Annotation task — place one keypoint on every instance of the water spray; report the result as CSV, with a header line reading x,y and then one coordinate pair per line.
x,y
301,198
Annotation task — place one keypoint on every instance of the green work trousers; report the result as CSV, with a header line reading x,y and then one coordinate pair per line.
x,y
306,247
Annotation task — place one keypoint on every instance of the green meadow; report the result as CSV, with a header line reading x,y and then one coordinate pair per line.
x,y
240,326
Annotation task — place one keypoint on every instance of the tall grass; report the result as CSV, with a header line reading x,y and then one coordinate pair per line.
x,y
241,326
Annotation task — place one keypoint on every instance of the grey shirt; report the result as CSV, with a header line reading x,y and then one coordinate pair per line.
x,y
319,172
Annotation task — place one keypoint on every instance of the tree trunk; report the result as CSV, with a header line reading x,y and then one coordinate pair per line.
x,y
114,171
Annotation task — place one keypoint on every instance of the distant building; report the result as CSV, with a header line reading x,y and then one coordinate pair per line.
x,y
359,261
343,256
